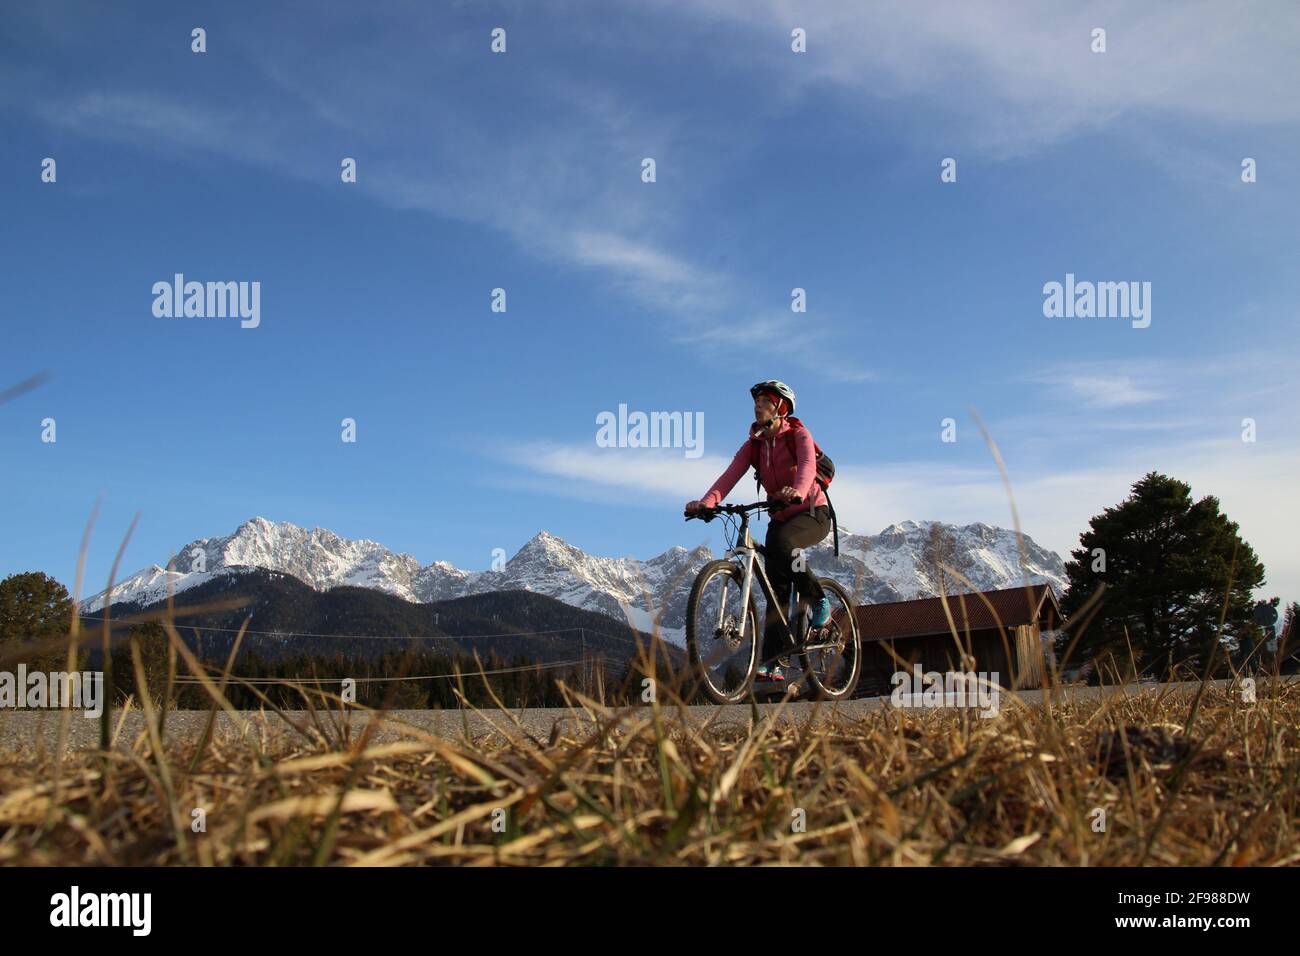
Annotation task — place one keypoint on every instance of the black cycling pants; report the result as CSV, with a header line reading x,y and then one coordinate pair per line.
x,y
783,538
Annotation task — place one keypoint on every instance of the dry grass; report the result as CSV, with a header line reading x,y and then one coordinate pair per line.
x,y
1183,779
640,787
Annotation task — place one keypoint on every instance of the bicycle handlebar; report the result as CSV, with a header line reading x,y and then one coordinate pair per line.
x,y
708,514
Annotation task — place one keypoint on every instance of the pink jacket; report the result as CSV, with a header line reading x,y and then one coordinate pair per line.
x,y
776,469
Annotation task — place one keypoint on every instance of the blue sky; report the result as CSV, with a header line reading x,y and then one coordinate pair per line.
x,y
775,170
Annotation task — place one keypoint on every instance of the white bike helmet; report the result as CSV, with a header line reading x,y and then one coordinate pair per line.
x,y
776,388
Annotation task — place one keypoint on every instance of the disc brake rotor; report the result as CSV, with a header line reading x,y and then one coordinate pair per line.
x,y
729,632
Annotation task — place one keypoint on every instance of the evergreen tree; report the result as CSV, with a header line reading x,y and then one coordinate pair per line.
x,y
154,652
1288,640
34,608
1166,561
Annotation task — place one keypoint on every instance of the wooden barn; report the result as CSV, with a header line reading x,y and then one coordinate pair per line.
x,y
994,633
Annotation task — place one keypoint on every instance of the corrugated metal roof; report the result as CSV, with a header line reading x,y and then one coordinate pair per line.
x,y
923,617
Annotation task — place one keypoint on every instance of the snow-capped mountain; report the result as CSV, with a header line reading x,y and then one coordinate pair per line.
x,y
317,557
895,565
899,563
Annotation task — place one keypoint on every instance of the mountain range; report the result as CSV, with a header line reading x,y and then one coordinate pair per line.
x,y
895,565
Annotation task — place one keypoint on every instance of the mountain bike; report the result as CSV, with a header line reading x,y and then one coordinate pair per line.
x,y
723,636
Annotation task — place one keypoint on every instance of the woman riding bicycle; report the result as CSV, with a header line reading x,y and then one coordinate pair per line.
x,y
787,478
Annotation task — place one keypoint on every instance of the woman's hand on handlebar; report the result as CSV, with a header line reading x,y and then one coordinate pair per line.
x,y
789,495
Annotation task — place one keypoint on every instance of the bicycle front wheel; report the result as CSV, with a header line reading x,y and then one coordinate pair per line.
x,y
722,638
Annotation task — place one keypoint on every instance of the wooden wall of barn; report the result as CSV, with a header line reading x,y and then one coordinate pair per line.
x,y
940,653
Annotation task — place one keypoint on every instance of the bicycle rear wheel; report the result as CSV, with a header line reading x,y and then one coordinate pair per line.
x,y
832,655
722,660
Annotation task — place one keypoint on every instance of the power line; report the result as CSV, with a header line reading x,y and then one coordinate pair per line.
x,y
367,680
372,637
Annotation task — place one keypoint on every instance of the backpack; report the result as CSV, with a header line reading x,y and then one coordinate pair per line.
x,y
825,471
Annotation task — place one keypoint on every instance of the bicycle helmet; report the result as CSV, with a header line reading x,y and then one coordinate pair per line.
x,y
780,389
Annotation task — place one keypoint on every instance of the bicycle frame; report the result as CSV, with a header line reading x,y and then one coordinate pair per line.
x,y
746,547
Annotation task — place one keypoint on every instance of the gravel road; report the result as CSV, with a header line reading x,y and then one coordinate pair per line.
x,y
24,730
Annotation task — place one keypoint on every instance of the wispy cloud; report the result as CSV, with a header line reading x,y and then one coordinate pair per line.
x,y
1105,385
559,175
1009,78
1054,504
801,338
1110,391
1226,380
654,471
652,274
